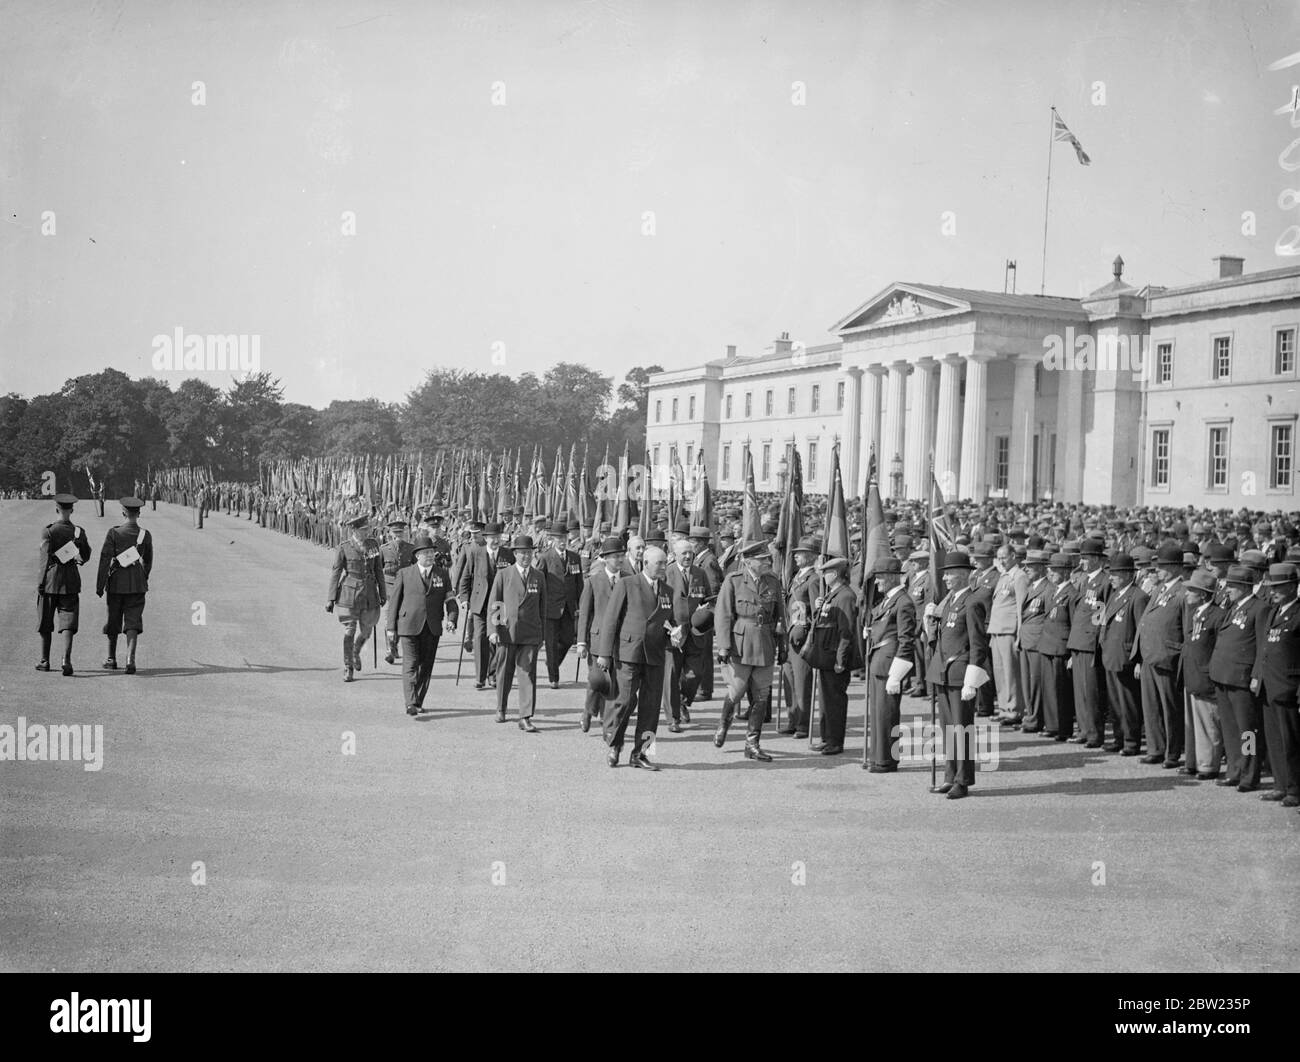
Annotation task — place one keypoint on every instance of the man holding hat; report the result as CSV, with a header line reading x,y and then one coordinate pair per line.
x,y
708,564
805,588
595,598
751,637
64,548
1124,606
831,648
357,591
395,554
479,568
685,661
1275,678
515,620
563,568
634,637
891,634
1201,632
124,565
959,665
1156,652
421,595
1231,669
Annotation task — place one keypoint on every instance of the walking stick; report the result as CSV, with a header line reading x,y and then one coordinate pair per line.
x,y
934,753
461,661
866,696
780,691
812,712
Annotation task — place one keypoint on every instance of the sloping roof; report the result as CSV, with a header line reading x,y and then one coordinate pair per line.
x,y
996,300
772,355
1228,282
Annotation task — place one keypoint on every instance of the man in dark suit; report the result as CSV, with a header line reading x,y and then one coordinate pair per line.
x,y
1119,619
1276,680
985,577
686,663
958,667
1053,656
125,562
831,648
515,620
421,597
1087,677
891,637
634,634
1231,667
563,568
1201,628
1156,650
797,674
479,566
705,560
1033,612
395,554
591,609
64,548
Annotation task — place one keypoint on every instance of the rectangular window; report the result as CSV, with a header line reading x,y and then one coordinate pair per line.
x,y
1281,450
811,480
728,406
768,406
659,412
1284,352
1002,462
749,404
816,397
767,461
1160,458
674,411
789,401
690,415
1222,367
789,456
1218,459
656,457
726,463
672,456
1165,363
690,455
839,397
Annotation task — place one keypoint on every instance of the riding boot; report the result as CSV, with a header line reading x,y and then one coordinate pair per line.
x,y
347,657
724,724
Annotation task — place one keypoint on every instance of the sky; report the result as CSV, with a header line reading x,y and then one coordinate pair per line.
x,y
374,190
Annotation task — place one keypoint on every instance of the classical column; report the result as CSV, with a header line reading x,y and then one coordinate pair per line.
x,y
920,431
892,435
1020,477
851,465
947,434
872,386
974,427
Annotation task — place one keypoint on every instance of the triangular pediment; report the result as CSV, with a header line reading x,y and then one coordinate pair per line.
x,y
900,304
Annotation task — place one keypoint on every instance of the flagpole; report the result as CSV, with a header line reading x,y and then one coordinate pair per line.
x,y
1047,198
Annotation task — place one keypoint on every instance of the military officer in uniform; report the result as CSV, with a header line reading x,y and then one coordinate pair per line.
x,y
357,592
396,554
1124,605
750,627
831,648
1276,680
1156,650
634,635
797,674
959,665
515,618
591,609
64,548
421,597
891,636
125,562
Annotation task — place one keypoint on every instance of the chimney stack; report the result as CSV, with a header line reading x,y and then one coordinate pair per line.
x,y
783,344
731,350
1229,265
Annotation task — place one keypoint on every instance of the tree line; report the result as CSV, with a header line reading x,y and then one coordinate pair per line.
x,y
106,427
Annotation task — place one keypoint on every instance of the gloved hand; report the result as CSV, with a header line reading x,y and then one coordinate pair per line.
x,y
724,657
893,687
968,693
582,650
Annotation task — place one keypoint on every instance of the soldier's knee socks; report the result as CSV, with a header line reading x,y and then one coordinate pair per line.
x,y
45,646
67,647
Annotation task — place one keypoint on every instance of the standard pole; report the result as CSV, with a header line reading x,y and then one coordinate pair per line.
x,y
1047,198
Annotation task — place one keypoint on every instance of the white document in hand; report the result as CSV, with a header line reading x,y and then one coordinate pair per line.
x,y
66,552
128,557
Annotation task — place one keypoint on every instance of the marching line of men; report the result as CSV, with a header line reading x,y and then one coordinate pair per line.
x,y
125,561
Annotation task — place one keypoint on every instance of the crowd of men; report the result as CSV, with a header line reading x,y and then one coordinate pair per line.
x,y
1169,635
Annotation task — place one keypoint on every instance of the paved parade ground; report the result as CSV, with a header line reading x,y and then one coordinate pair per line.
x,y
454,843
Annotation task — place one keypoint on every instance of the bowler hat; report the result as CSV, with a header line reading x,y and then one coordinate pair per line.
x,y
957,559
702,620
422,541
613,544
598,680
522,542
494,528
1169,554
1121,563
888,566
1092,547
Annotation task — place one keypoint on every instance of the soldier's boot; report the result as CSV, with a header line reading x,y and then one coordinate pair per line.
x,y
358,644
753,751
724,724
44,663
347,658
767,712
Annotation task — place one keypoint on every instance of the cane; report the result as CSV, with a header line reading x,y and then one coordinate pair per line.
x,y
461,661
866,698
934,753
812,713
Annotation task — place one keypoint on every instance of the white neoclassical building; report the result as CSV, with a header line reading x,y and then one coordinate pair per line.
x,y
1154,395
